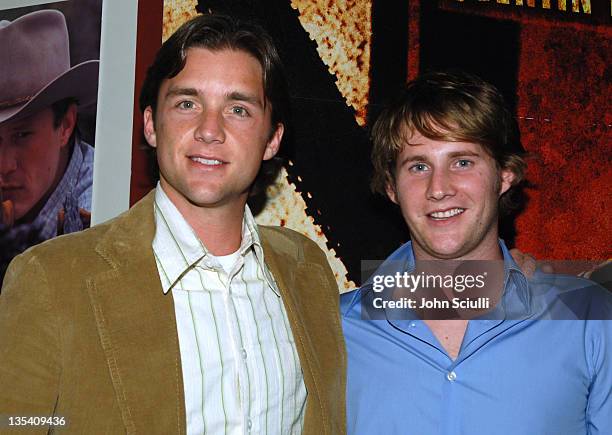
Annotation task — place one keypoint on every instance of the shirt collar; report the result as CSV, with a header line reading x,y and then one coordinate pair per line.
x,y
250,238
516,297
172,230
517,300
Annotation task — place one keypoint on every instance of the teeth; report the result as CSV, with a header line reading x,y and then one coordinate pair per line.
x,y
207,161
446,214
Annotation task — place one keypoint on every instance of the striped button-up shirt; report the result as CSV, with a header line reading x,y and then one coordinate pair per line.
x,y
241,371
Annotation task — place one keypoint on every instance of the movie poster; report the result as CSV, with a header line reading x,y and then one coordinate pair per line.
x,y
345,59
49,63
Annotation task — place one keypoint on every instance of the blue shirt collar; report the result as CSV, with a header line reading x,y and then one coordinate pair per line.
x,y
516,297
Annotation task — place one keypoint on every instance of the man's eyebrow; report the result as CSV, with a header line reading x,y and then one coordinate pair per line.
x,y
22,124
241,96
231,96
452,155
413,159
464,153
172,92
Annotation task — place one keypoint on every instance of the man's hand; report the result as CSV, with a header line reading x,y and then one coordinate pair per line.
x,y
596,267
7,212
597,271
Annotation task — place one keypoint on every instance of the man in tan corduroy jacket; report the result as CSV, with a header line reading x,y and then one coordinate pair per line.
x,y
90,329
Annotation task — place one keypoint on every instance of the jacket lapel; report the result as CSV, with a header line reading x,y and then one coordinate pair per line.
x,y
286,268
137,326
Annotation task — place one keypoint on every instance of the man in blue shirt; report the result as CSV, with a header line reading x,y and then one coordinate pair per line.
x,y
448,355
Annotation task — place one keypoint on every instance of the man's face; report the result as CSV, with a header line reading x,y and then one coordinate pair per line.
x,y
30,158
212,129
448,193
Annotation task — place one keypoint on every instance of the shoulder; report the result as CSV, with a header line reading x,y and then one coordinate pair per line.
x,y
348,299
289,242
87,151
67,253
569,284
285,234
84,153
71,244
76,250
572,297
300,260
84,176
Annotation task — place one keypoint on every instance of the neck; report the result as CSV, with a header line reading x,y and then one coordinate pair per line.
x,y
492,267
219,228
487,249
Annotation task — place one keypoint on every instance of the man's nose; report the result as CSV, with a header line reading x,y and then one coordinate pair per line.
x,y
440,185
8,163
211,127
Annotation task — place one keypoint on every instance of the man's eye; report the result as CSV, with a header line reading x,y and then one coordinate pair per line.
x,y
187,105
419,167
23,134
463,163
240,111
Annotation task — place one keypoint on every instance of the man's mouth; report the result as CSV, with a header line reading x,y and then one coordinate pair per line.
x,y
446,214
9,187
207,162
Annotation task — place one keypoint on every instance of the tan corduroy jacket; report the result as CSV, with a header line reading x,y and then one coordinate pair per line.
x,y
86,332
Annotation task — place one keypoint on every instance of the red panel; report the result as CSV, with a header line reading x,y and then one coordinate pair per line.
x,y
414,43
564,95
149,39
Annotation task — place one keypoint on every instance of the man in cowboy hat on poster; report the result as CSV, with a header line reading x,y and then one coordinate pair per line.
x,y
45,167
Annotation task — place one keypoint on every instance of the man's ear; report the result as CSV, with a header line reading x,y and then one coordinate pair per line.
x,y
68,124
149,126
274,143
507,178
391,193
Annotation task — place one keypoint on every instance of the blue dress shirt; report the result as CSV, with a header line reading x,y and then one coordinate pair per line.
x,y
541,364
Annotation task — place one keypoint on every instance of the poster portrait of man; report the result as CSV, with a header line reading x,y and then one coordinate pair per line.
x,y
48,91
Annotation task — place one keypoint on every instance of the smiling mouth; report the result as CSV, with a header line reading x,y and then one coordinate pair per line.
x,y
447,214
207,162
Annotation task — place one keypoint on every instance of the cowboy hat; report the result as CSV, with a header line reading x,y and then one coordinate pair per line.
x,y
35,66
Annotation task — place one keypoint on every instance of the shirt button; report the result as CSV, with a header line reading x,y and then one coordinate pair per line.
x,y
413,325
451,376
249,424
244,354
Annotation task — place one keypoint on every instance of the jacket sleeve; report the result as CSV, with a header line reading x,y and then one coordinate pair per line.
x,y
30,351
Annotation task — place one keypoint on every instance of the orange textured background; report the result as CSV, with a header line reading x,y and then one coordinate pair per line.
x,y
564,85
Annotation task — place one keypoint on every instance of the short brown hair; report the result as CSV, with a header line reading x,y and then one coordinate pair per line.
x,y
451,106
